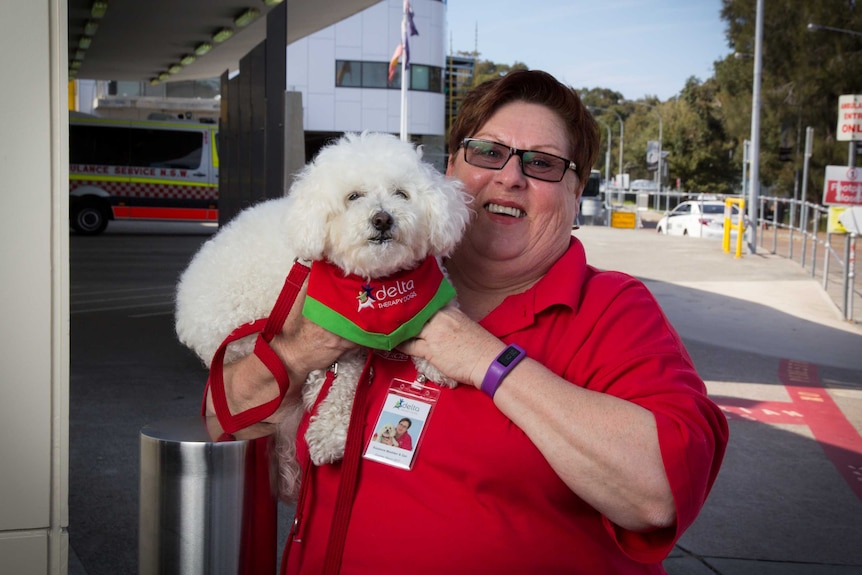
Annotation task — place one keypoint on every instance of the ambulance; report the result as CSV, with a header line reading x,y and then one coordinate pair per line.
x,y
141,170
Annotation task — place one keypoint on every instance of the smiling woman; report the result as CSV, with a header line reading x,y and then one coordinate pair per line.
x,y
538,335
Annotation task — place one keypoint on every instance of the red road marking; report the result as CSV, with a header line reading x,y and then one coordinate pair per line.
x,y
810,404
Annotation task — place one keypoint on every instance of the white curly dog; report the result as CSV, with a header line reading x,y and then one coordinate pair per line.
x,y
387,435
368,204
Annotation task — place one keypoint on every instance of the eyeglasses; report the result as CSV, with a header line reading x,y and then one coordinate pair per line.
x,y
494,156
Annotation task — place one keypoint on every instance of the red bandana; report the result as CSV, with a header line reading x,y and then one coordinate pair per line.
x,y
381,313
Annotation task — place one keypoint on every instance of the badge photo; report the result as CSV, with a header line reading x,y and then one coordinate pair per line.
x,y
399,428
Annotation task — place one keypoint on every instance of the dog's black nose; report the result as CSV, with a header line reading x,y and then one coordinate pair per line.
x,y
381,221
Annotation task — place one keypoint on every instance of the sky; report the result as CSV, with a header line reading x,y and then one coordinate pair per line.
x,y
636,47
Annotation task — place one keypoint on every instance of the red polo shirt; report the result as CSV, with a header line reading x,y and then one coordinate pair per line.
x,y
480,497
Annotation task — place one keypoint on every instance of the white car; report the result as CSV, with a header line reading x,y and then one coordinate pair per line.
x,y
699,219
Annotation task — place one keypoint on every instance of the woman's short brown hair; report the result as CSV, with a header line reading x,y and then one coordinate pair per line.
x,y
535,87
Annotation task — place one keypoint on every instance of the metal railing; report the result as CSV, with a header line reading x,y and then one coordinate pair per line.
x,y
800,231
789,228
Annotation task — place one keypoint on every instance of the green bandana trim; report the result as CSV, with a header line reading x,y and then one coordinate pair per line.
x,y
340,325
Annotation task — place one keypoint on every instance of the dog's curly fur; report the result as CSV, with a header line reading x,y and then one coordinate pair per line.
x,y
387,435
237,275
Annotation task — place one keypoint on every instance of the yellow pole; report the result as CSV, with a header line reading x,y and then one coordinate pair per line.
x,y
73,100
728,224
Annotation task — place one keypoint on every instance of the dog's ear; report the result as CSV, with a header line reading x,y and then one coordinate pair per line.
x,y
447,211
310,211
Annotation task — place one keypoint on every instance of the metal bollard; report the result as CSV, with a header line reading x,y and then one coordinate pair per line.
x,y
207,502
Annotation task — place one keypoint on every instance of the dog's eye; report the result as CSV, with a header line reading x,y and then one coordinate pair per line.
x,y
353,196
402,194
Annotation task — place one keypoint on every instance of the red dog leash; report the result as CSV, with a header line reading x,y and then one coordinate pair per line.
x,y
266,328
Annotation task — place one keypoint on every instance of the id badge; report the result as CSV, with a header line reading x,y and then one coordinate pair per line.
x,y
398,432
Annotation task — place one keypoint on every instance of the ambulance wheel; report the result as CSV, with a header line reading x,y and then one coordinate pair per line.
x,y
89,218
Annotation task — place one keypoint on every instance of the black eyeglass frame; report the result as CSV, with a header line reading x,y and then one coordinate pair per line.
x,y
570,164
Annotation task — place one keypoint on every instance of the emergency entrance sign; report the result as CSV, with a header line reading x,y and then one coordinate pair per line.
x,y
843,186
849,118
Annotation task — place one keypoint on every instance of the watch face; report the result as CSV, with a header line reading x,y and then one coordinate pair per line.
x,y
508,355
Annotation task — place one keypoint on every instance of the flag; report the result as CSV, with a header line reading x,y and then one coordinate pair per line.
x,y
394,62
407,25
408,28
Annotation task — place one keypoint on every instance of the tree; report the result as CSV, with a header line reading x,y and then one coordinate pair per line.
x,y
600,97
700,150
803,73
487,70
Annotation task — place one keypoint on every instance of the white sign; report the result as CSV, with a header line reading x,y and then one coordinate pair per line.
x,y
849,118
851,219
652,155
843,186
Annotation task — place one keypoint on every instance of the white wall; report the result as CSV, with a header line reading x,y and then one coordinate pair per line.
x,y
370,35
34,302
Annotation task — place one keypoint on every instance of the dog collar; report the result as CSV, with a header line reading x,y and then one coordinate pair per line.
x,y
380,313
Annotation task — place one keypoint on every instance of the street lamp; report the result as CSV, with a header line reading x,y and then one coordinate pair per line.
x,y
754,175
607,155
660,144
622,124
817,27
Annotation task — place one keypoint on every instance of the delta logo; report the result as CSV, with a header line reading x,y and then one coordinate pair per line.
x,y
403,405
387,295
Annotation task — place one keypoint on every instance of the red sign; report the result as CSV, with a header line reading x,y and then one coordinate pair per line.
x,y
843,186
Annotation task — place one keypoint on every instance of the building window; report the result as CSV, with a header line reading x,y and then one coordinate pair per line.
x,y
375,74
425,78
356,74
348,73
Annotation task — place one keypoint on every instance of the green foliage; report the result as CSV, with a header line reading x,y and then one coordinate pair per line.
x,y
486,70
700,150
803,73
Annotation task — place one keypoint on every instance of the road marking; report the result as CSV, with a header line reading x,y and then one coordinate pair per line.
x,y
811,405
122,307
123,299
154,314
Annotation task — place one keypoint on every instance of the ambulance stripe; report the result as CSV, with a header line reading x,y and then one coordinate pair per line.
x,y
151,213
120,188
87,180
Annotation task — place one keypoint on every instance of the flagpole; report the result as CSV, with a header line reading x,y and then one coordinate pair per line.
x,y
404,74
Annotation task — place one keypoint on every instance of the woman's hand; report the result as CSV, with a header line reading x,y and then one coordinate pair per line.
x,y
303,347
456,345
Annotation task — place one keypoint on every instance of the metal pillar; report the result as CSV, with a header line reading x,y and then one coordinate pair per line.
x,y
207,507
754,188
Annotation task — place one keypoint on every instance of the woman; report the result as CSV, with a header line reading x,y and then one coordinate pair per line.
x,y
580,440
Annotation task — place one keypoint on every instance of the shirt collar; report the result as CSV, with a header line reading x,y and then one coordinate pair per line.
x,y
561,285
